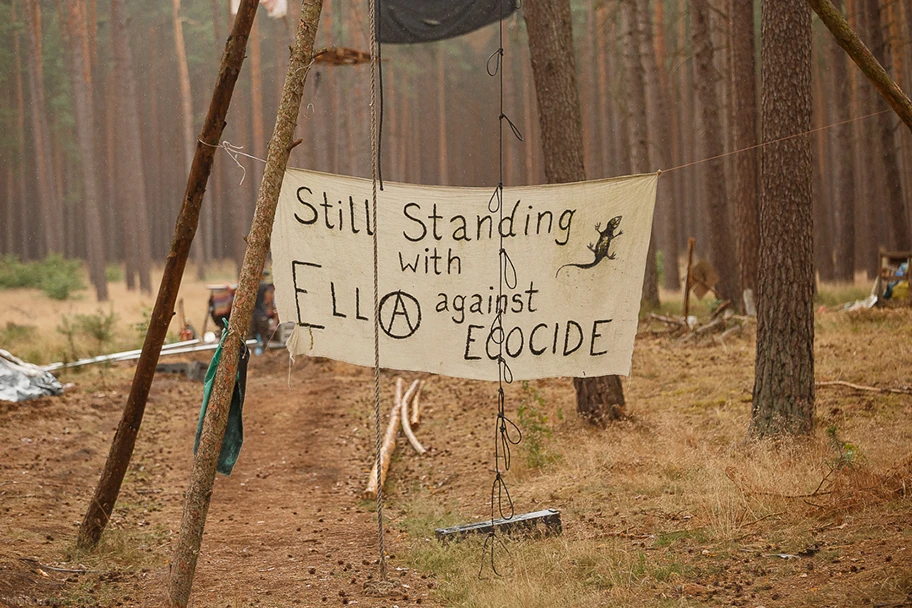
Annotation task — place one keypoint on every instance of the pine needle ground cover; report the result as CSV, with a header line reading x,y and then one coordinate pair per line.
x,y
673,506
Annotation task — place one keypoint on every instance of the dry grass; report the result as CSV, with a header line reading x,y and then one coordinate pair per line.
x,y
677,506
674,506
29,319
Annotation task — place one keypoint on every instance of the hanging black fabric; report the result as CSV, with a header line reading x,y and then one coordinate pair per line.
x,y
410,21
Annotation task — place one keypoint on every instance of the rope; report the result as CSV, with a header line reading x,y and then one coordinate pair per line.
x,y
375,176
775,141
501,501
235,151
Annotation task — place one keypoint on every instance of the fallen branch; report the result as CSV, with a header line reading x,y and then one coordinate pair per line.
x,y
720,309
416,406
677,322
386,450
403,403
29,560
858,387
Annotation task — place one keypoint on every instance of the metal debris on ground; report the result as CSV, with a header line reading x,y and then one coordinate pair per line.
x,y
538,523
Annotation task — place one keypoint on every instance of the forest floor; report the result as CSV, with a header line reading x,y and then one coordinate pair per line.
x,y
671,507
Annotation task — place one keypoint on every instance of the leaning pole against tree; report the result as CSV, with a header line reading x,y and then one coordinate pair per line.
x,y
846,37
202,477
102,504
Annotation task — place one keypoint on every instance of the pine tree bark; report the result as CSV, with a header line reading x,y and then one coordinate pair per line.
x,y
186,101
129,155
638,124
822,190
108,488
898,43
49,202
900,237
23,233
843,165
80,77
256,102
744,92
598,399
783,396
666,125
443,175
199,492
721,246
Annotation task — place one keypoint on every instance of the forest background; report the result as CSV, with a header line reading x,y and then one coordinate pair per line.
x,y
101,103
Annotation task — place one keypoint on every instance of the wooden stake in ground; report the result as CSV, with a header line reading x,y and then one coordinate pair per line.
x,y
406,424
687,280
862,56
202,478
96,517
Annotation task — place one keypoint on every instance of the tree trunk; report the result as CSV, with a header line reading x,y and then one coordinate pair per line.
x,y
821,186
443,177
256,102
862,56
898,43
115,236
666,125
744,92
49,203
606,139
73,24
129,155
22,245
900,238
199,492
598,399
106,492
186,100
843,166
721,248
638,124
783,398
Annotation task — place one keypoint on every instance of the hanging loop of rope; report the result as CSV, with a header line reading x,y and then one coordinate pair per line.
x,y
506,433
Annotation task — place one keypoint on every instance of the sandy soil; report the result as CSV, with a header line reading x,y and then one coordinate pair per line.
x,y
288,528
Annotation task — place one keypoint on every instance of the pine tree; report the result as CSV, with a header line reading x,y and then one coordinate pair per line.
x,y
783,398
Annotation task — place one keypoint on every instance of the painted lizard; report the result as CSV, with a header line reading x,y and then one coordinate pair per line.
x,y
600,249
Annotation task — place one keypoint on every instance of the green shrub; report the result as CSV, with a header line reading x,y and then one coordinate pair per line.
x,y
13,332
533,421
60,277
56,276
15,274
98,329
114,273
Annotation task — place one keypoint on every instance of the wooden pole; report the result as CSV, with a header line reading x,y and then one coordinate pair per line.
x,y
102,504
846,37
690,257
202,478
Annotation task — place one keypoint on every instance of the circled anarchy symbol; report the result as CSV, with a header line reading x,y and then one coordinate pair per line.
x,y
400,315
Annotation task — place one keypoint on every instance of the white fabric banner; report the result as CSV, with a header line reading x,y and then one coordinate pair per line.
x,y
574,266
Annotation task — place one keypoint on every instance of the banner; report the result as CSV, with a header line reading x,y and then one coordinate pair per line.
x,y
575,256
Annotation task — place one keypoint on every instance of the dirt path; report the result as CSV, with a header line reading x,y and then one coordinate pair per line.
x,y
287,528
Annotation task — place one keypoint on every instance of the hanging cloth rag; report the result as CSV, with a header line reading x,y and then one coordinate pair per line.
x,y
234,431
